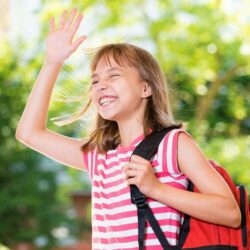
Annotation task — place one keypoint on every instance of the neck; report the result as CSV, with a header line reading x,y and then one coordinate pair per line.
x,y
130,131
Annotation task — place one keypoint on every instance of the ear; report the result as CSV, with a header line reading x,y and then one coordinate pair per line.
x,y
146,91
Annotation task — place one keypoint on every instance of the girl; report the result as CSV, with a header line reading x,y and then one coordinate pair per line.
x,y
128,90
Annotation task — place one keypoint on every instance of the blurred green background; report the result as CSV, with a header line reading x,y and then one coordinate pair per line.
x,y
203,47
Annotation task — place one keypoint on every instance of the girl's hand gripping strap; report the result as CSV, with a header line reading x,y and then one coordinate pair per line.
x,y
147,149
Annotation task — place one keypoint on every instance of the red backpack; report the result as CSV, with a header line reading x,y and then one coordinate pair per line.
x,y
195,234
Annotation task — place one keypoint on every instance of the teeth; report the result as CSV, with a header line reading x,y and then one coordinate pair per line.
x,y
106,100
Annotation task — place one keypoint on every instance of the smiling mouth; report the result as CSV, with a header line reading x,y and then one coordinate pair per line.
x,y
104,101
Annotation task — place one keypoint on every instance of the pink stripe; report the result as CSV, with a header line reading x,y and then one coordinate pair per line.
x,y
113,205
126,239
102,172
94,165
110,175
118,216
164,174
129,214
132,226
114,155
117,228
111,194
85,159
178,185
109,184
125,190
89,159
113,163
153,247
154,163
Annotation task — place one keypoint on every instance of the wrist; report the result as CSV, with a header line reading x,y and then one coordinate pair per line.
x,y
157,191
53,63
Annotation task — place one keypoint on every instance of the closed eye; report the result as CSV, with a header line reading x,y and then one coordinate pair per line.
x,y
115,75
94,82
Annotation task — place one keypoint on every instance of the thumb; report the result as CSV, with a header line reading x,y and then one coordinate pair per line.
x,y
77,43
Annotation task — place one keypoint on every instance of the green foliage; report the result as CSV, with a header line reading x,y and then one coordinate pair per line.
x,y
28,200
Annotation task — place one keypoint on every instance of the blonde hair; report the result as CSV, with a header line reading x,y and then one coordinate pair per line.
x,y
158,114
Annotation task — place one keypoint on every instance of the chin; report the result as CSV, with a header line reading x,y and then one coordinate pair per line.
x,y
107,117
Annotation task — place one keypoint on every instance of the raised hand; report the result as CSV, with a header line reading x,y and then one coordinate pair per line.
x,y
60,44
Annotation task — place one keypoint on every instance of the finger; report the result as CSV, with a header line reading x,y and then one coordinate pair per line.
x,y
70,20
138,159
76,25
131,181
132,165
77,43
52,24
62,19
131,173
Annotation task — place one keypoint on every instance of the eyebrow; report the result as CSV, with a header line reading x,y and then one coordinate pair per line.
x,y
108,70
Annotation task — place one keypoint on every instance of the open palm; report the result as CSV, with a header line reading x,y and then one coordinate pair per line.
x,y
60,44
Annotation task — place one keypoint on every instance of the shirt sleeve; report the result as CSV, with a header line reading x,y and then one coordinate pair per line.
x,y
168,149
89,159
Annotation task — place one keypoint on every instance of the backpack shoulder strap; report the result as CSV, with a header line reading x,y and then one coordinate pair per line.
x,y
147,149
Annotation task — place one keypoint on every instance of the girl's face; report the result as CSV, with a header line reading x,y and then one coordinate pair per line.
x,y
118,92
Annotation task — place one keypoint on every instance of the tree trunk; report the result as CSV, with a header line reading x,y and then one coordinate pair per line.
x,y
205,102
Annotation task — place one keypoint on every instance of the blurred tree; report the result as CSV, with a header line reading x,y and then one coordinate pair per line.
x,y
29,208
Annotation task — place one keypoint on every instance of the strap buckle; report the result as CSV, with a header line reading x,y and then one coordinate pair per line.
x,y
139,200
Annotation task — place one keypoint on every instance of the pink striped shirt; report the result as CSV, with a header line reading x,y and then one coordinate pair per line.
x,y
114,217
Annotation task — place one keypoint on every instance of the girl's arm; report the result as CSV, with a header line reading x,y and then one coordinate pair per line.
x,y
215,202
32,130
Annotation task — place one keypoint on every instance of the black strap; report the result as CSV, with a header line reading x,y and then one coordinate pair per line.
x,y
243,213
147,149
141,214
157,230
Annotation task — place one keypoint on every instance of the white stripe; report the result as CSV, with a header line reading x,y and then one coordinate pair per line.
x,y
152,242
128,245
119,157
167,179
109,179
94,163
109,170
170,152
114,188
115,246
163,179
132,232
123,221
160,158
120,222
122,209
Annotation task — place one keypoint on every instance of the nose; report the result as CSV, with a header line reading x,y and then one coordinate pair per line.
x,y
101,85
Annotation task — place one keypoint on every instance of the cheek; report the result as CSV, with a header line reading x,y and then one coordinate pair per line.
x,y
94,102
92,96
